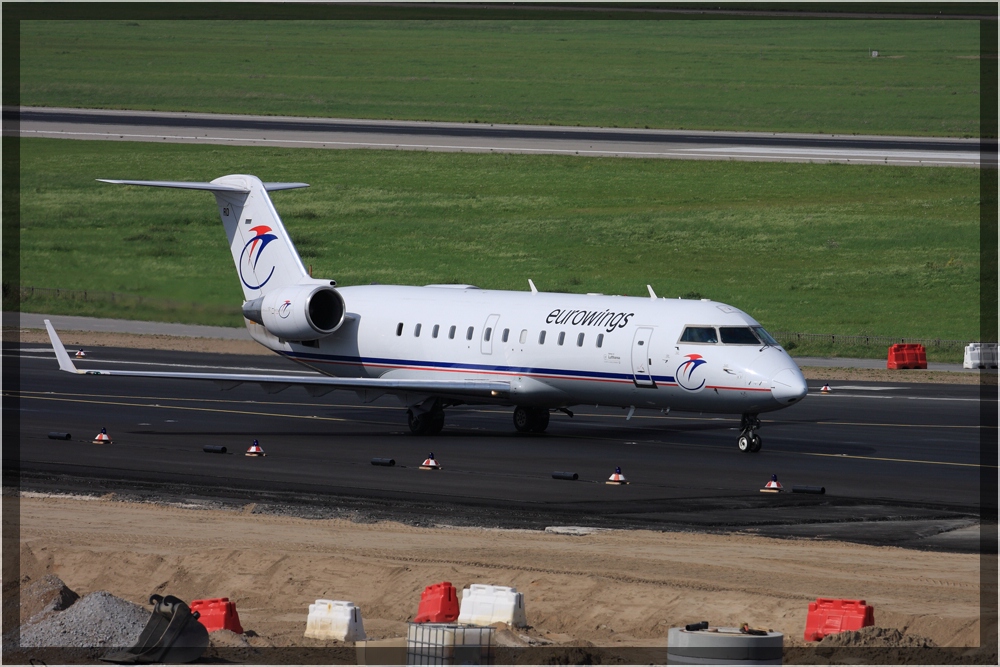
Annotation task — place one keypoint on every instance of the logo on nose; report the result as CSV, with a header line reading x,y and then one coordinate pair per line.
x,y
686,372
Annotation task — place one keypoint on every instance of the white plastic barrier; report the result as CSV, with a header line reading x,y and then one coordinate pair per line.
x,y
448,644
486,605
335,619
980,355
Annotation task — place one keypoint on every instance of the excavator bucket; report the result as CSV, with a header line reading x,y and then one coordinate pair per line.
x,y
172,635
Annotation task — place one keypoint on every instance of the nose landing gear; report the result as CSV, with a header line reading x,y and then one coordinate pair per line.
x,y
749,441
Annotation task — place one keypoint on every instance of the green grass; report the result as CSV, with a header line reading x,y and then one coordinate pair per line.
x,y
813,248
764,75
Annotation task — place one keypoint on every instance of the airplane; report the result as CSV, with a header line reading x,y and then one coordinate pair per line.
x,y
440,346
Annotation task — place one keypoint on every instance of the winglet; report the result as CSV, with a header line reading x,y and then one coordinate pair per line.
x,y
652,294
534,290
65,363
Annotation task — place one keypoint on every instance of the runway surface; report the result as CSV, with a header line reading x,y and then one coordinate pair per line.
x,y
900,462
486,138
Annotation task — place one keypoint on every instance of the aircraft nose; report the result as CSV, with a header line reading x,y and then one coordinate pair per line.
x,y
788,386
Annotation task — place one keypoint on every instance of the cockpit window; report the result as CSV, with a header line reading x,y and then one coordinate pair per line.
x,y
765,337
738,336
699,335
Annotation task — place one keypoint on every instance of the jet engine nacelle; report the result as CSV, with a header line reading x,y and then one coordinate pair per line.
x,y
298,312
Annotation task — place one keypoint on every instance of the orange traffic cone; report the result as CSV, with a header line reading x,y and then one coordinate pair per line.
x,y
825,389
617,477
255,450
80,354
102,438
774,486
430,464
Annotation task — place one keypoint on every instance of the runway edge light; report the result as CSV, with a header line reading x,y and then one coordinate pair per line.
x,y
617,477
773,486
430,463
255,450
102,438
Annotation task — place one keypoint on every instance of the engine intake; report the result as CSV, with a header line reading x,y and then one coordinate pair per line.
x,y
299,312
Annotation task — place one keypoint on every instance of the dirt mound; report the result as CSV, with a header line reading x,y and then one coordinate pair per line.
x,y
43,597
877,637
97,620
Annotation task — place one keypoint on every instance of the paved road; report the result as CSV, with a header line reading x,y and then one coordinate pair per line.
x,y
900,462
482,138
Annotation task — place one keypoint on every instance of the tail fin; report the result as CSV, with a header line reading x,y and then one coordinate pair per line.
x,y
264,255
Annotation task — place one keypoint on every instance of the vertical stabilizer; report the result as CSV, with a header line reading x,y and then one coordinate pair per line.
x,y
264,255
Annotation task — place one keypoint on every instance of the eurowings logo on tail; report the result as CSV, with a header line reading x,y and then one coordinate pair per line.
x,y
685,372
252,251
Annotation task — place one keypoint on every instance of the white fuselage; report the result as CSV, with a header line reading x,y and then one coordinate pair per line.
x,y
597,349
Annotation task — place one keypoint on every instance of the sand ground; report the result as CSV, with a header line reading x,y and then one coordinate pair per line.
x,y
609,588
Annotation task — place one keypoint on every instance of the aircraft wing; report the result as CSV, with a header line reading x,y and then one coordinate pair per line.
x,y
316,384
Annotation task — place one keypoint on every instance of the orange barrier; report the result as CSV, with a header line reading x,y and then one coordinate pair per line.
x,y
218,614
828,617
906,355
438,604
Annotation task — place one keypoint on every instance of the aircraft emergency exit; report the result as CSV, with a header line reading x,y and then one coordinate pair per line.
x,y
440,346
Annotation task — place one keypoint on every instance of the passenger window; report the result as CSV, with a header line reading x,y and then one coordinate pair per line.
x,y
541,337
434,331
416,331
468,334
738,336
451,331
487,334
506,334
600,340
399,329
524,336
562,337
699,335
579,340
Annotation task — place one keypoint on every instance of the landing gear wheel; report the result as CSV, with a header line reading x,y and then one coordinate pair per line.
x,y
541,420
531,420
744,443
419,423
755,443
437,421
749,440
523,419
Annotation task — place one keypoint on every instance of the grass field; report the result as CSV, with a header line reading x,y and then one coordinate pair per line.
x,y
765,75
813,248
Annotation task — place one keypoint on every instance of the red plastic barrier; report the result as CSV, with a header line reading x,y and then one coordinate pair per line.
x,y
218,614
906,355
438,604
828,617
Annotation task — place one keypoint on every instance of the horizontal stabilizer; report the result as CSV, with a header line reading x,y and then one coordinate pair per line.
x,y
212,187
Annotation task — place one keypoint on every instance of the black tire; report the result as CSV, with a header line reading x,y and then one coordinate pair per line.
x,y
755,443
744,443
419,424
541,420
437,422
523,419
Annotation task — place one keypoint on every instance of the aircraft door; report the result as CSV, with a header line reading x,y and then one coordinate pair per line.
x,y
642,358
489,333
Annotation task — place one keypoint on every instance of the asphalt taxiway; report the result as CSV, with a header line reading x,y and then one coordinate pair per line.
x,y
900,462
340,133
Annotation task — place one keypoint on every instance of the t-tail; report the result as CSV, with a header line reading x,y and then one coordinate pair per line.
x,y
277,291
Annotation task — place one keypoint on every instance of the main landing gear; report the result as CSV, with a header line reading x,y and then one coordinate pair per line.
x,y
426,422
531,420
749,440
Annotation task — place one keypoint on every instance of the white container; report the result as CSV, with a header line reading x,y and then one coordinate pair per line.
x,y
723,646
486,605
448,644
980,355
335,619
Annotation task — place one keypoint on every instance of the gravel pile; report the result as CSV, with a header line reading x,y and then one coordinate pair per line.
x,y
97,620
